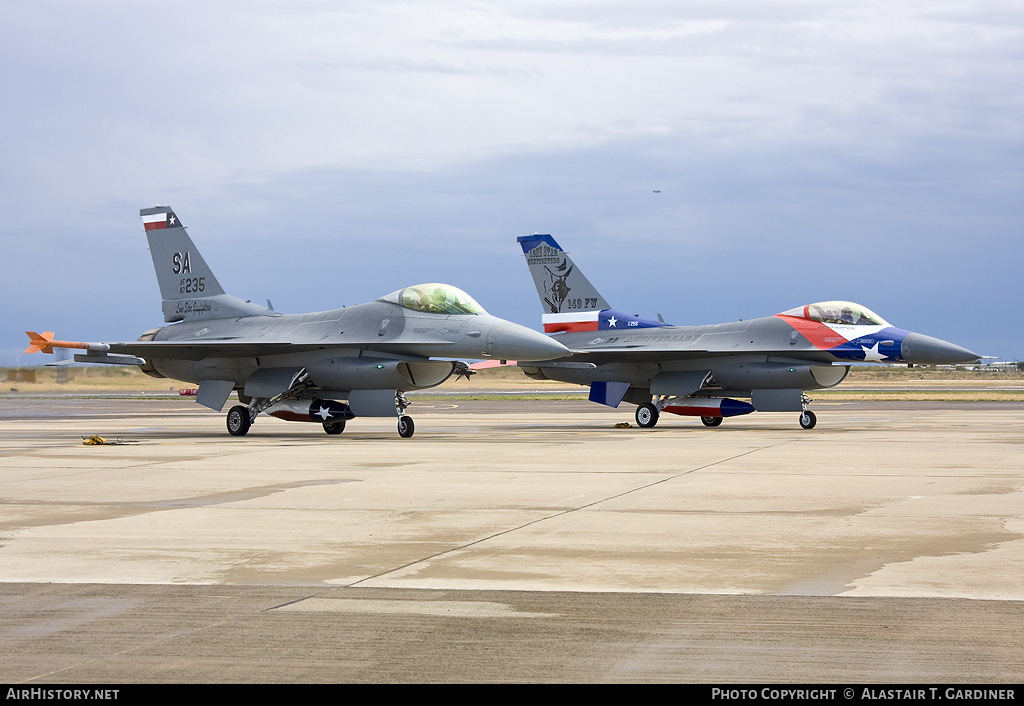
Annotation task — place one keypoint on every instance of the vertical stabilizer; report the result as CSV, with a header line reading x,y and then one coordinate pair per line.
x,y
569,300
180,269
187,285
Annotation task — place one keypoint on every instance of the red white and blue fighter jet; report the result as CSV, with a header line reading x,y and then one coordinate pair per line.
x,y
700,370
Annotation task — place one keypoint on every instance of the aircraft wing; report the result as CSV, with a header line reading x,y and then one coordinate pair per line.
x,y
641,353
219,348
198,350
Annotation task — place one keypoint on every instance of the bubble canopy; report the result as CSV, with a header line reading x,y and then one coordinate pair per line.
x,y
435,298
838,312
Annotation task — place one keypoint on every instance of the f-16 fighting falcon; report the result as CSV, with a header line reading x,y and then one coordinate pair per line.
x,y
325,367
699,370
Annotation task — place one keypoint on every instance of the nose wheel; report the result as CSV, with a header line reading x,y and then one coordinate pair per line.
x,y
808,420
406,427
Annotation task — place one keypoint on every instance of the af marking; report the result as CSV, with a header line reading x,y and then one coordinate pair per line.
x,y
192,285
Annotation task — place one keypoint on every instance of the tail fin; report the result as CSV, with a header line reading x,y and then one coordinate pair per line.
x,y
40,343
188,286
570,301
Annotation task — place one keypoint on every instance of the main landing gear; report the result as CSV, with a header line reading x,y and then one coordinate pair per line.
x,y
239,420
647,415
240,417
297,404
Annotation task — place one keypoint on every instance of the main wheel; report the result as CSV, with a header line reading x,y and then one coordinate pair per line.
x,y
334,427
711,421
808,420
238,421
647,415
405,427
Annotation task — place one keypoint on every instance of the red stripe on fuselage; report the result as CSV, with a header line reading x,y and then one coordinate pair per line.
x,y
155,225
570,326
820,335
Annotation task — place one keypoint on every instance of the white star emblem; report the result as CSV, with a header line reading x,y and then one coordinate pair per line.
x,y
172,219
871,355
611,322
324,413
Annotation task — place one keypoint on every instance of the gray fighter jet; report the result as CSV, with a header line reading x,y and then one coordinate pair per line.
x,y
698,370
324,367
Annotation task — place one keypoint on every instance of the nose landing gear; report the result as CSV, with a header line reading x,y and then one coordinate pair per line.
x,y
406,427
807,418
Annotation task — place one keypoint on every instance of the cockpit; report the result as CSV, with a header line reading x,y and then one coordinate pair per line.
x,y
838,312
435,298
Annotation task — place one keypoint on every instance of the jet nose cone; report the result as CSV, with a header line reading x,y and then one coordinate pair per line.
x,y
918,348
510,341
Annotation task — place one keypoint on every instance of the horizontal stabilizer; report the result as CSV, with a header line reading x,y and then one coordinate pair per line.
x,y
608,393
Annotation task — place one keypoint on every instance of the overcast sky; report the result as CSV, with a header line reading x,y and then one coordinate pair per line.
x,y
327,153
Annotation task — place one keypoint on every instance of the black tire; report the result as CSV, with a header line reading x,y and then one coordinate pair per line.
x,y
711,421
647,415
808,420
238,421
406,427
334,427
